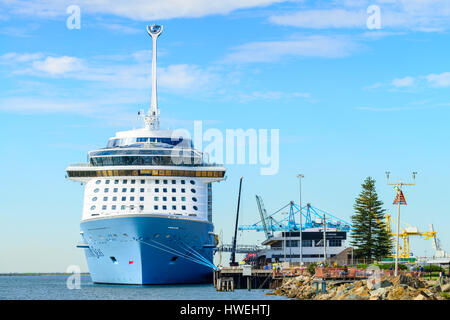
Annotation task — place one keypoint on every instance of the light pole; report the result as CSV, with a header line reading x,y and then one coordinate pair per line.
x,y
300,176
398,200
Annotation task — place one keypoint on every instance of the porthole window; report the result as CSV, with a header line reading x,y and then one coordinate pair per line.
x,y
194,199
156,235
93,208
94,199
195,208
97,182
167,236
96,190
192,182
193,190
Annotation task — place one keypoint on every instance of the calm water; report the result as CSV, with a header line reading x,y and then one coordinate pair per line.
x,y
54,287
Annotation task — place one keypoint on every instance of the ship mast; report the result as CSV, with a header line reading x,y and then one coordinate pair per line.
x,y
152,118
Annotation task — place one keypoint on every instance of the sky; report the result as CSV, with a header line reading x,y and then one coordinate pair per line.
x,y
350,100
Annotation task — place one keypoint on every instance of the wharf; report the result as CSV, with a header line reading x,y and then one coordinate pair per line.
x,y
245,277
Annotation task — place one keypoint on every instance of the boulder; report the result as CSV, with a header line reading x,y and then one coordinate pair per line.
x,y
445,287
380,292
421,297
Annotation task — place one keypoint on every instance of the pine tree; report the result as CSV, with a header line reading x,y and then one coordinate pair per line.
x,y
370,238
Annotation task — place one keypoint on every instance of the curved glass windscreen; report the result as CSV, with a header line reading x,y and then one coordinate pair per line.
x,y
129,141
171,152
145,161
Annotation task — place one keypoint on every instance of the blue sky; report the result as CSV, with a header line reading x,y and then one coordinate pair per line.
x,y
349,101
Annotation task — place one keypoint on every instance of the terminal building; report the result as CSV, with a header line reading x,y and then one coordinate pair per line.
x,y
284,246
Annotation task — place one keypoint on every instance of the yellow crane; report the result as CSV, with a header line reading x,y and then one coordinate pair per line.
x,y
405,234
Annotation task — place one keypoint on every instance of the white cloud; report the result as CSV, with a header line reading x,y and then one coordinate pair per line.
x,y
310,46
270,95
185,77
57,65
439,80
314,19
418,15
141,10
403,82
13,57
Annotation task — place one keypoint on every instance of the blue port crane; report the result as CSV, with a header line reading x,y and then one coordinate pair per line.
x,y
313,218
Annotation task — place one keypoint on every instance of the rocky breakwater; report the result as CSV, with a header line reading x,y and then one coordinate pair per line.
x,y
401,287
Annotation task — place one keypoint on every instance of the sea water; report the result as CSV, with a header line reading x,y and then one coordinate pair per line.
x,y
54,287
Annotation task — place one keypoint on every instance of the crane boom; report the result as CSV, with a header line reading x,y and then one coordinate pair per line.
x,y
263,214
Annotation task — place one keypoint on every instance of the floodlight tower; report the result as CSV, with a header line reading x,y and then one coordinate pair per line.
x,y
400,200
300,176
152,119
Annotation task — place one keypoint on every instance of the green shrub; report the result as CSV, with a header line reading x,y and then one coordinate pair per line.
x,y
433,268
312,268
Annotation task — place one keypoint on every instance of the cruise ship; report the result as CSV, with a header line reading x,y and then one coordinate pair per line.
x,y
147,212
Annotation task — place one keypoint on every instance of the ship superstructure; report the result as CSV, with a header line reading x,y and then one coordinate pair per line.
x,y
147,213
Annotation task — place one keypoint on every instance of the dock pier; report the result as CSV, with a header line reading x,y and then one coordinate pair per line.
x,y
230,278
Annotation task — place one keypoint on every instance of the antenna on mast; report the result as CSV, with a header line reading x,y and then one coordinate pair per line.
x,y
152,118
